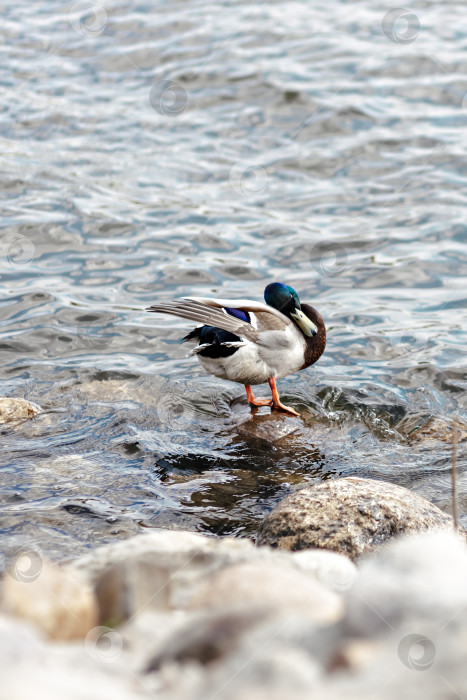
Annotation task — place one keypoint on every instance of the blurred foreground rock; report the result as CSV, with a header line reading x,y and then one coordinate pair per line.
x,y
352,516
16,410
219,618
58,601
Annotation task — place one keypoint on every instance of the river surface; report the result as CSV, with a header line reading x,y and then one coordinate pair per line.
x,y
153,150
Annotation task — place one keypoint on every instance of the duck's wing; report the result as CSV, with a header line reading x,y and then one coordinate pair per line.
x,y
210,312
206,316
263,317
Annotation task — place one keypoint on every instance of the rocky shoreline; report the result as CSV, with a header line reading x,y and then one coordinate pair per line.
x,y
365,586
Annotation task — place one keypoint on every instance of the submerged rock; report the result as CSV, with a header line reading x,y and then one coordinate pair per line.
x,y
438,430
16,410
352,516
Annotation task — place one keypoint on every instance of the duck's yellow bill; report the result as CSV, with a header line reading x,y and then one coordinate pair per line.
x,y
304,323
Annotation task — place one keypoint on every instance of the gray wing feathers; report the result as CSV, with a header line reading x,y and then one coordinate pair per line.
x,y
206,315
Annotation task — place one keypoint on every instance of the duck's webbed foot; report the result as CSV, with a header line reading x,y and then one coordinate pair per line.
x,y
276,402
256,402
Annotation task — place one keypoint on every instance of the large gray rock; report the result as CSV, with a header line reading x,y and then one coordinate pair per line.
x,y
352,516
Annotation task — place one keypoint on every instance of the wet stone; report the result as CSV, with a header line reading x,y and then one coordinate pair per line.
x,y
352,516
437,430
16,410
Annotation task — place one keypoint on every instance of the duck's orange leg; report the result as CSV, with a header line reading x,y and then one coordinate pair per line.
x,y
256,402
276,402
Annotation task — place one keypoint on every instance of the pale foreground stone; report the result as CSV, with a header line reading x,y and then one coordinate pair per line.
x,y
272,585
129,586
60,604
16,410
352,516
160,569
176,570
241,633
334,570
422,577
31,667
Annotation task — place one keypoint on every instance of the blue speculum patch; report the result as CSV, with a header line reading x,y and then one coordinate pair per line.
x,y
242,315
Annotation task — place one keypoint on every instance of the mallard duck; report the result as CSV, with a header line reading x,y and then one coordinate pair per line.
x,y
250,342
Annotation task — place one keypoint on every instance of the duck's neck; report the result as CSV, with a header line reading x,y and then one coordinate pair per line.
x,y
315,344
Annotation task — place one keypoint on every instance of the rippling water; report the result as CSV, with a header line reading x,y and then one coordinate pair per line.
x,y
154,150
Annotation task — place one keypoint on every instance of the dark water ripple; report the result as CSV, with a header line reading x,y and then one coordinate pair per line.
x,y
150,151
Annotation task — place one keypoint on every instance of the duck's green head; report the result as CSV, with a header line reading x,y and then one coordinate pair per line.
x,y
285,299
